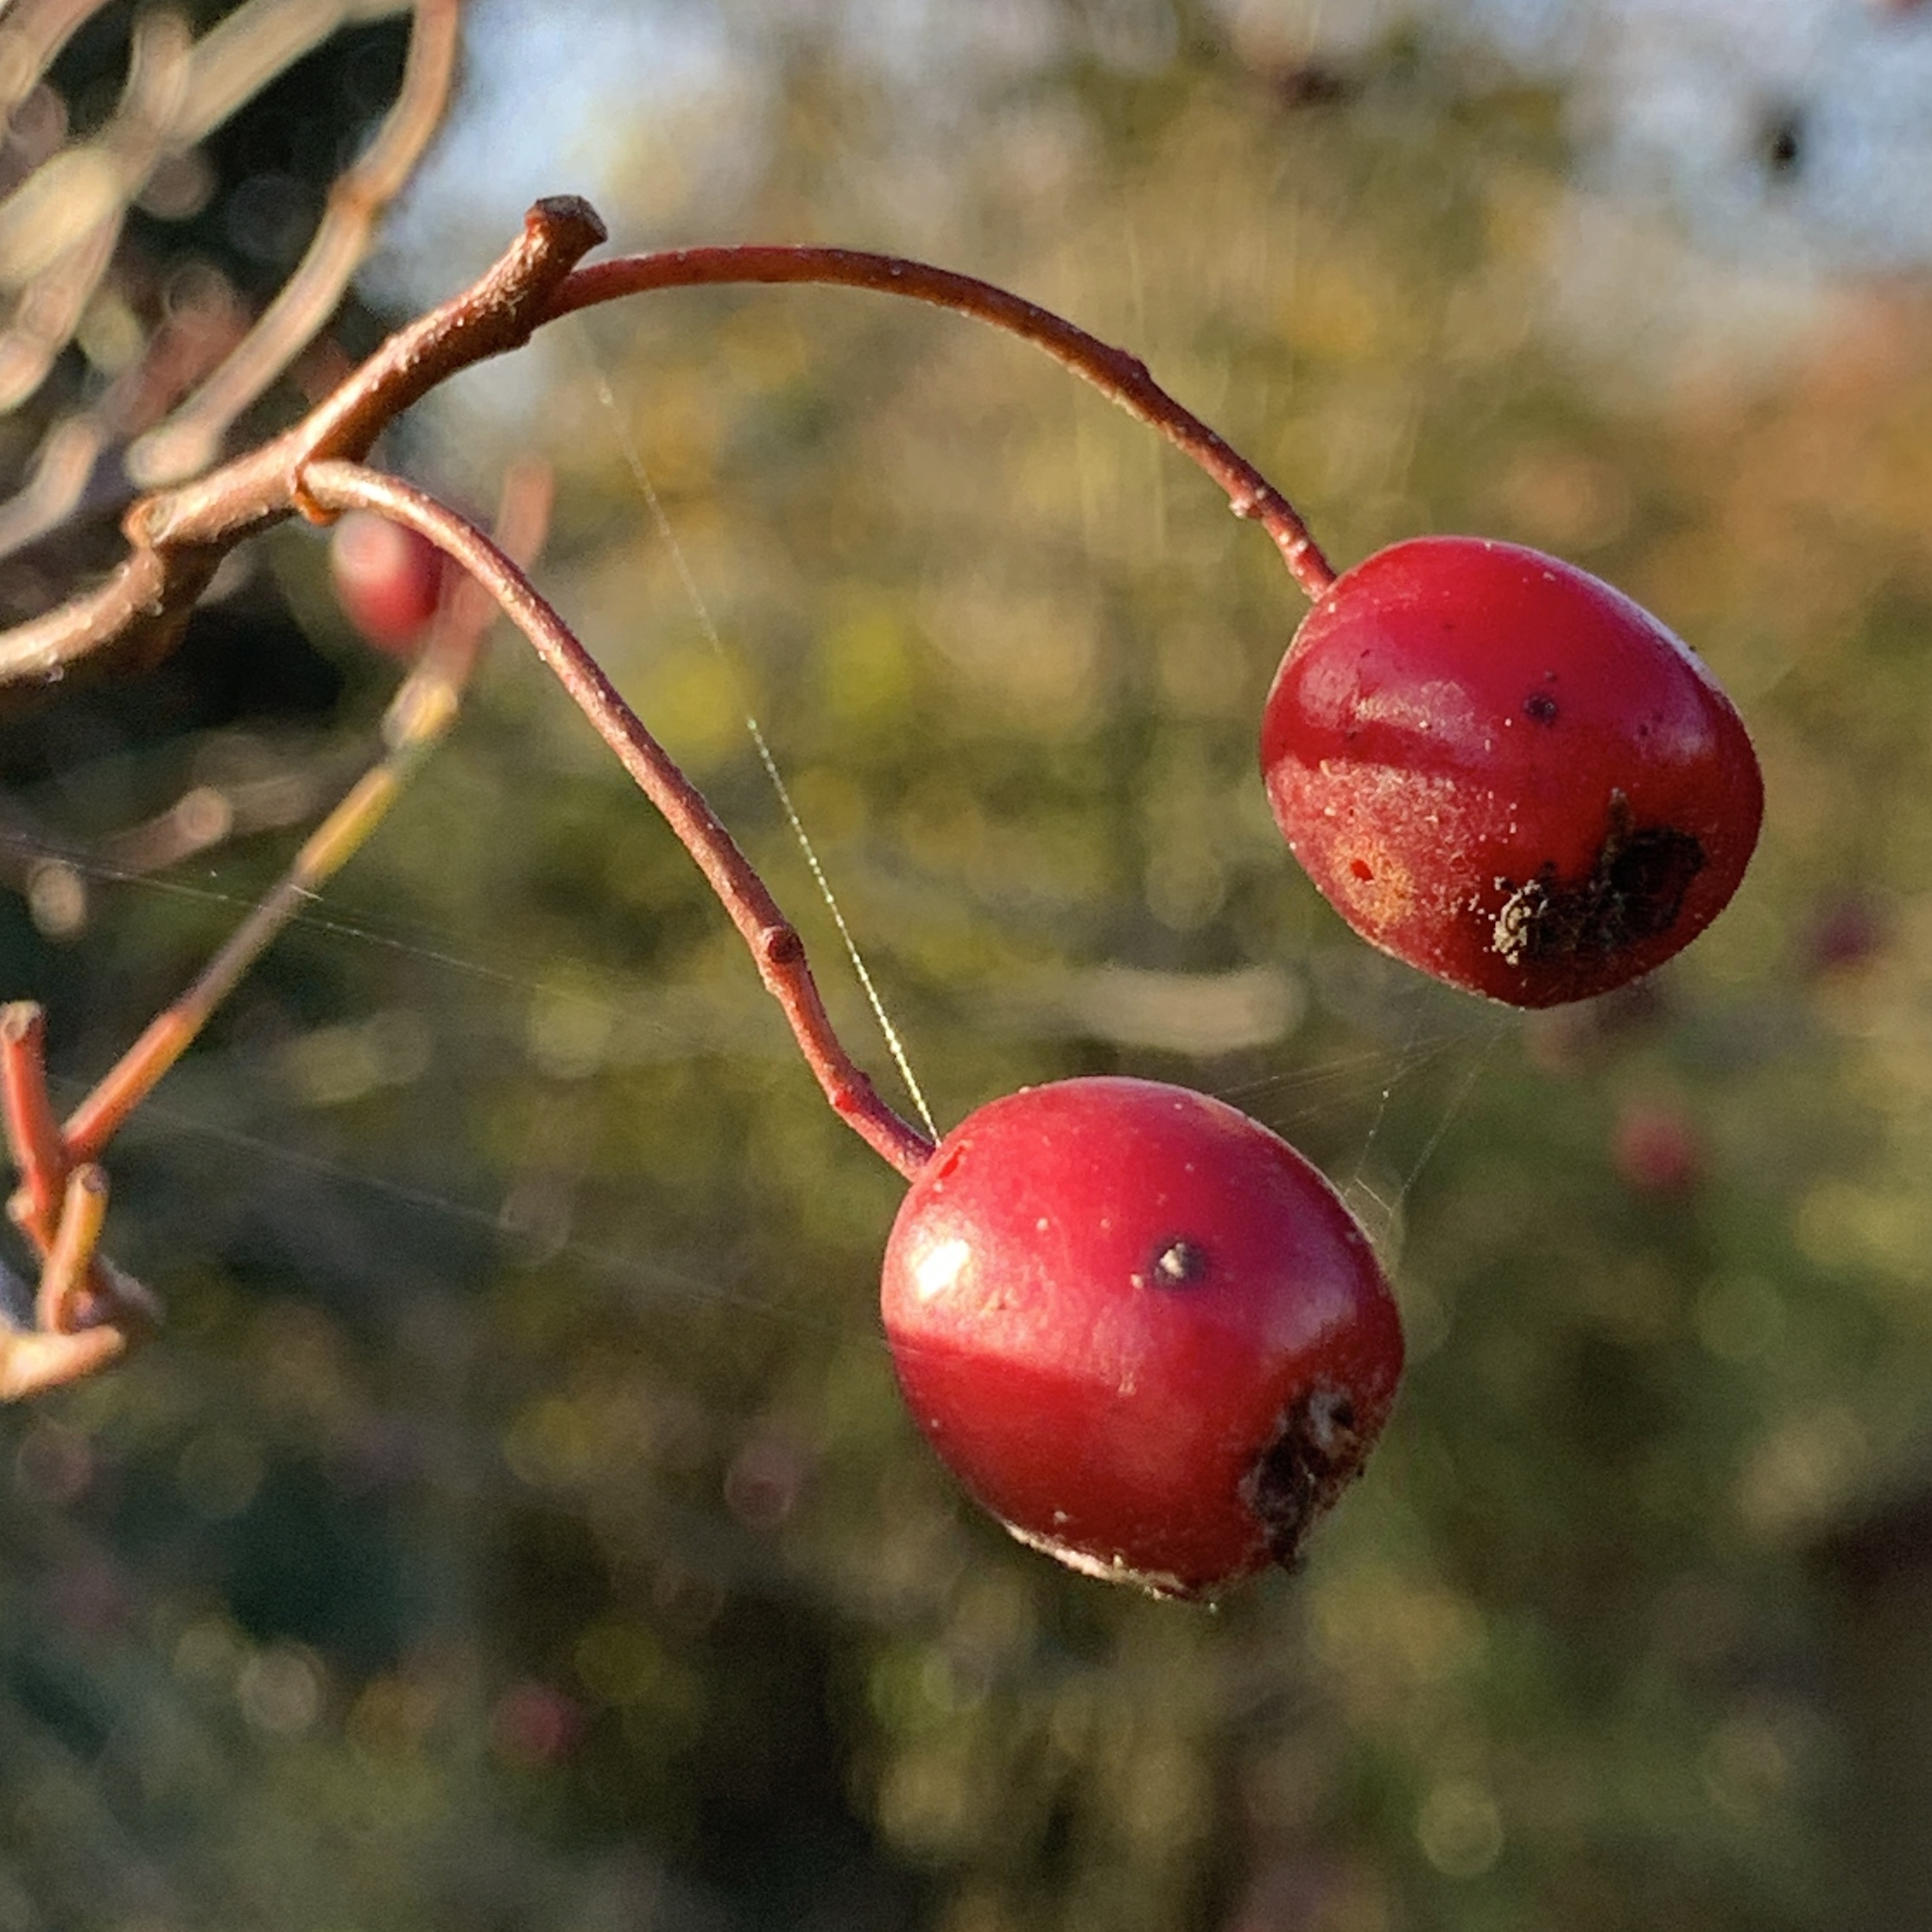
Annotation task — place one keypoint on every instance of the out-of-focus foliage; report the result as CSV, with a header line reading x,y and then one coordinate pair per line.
x,y
516,1525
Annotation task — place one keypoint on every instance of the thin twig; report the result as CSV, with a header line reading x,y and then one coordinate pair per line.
x,y
63,1298
773,941
190,440
1120,377
419,716
32,34
32,1134
178,537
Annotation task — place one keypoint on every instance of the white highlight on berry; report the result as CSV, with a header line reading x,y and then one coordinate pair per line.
x,y
940,1268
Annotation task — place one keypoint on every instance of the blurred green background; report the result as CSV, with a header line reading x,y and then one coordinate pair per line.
x,y
515,1525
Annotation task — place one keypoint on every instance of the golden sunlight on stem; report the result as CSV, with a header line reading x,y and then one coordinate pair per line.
x,y
33,1135
63,1275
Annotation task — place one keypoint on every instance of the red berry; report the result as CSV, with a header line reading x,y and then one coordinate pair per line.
x,y
387,578
533,1725
1655,1150
1846,932
1140,1328
1503,771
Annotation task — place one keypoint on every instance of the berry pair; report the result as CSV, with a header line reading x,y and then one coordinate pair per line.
x,y
1141,1328
1146,1331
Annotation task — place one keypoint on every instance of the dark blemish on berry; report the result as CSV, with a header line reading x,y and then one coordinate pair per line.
x,y
1539,705
1315,1453
1635,891
1361,869
1178,1263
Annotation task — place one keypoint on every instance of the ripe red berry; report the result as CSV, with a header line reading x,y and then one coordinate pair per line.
x,y
1503,771
387,578
1140,1328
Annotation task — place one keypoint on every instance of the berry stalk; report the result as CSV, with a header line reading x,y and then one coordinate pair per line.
x,y
1119,376
774,941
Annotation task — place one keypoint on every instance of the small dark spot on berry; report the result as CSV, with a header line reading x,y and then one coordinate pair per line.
x,y
1361,868
1331,1421
1179,1263
1539,705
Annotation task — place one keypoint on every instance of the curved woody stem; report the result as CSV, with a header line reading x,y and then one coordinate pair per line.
x,y
178,536
774,941
1121,378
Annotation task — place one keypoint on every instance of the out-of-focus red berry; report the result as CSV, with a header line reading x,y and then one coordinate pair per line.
x,y
1655,1148
1846,932
388,579
1503,771
1140,1329
533,1725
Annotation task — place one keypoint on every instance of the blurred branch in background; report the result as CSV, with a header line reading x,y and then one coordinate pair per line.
x,y
61,224
191,439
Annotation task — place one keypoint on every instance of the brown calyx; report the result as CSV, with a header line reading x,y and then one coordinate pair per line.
x,y
1316,1453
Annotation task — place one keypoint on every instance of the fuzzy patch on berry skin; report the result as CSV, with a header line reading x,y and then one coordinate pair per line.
x,y
1503,771
1142,1330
